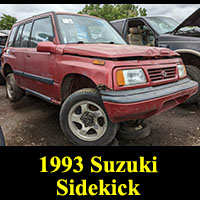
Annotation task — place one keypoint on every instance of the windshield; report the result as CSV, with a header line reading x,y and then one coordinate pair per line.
x,y
82,29
162,24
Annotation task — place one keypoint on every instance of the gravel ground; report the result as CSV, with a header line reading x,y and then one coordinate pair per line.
x,y
34,122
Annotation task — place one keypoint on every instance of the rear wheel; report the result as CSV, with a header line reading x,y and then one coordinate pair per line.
x,y
194,74
13,91
84,121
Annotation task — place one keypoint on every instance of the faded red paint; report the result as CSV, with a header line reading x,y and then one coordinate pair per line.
x,y
116,51
141,110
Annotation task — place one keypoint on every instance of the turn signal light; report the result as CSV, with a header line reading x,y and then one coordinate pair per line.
x,y
120,78
98,62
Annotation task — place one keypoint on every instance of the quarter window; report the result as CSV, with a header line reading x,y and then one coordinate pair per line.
x,y
12,35
42,31
26,35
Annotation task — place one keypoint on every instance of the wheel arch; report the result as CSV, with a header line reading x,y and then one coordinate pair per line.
x,y
189,56
7,69
73,82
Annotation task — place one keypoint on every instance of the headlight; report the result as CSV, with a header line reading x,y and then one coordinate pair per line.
x,y
181,71
130,77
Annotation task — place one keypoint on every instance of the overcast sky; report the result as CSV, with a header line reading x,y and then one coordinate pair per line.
x,y
21,11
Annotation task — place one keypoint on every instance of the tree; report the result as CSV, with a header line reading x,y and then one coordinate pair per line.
x,y
113,11
6,22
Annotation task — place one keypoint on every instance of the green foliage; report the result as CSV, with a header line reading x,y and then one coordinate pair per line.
x,y
113,11
6,22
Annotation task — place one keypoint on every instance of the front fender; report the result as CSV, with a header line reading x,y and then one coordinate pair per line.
x,y
100,75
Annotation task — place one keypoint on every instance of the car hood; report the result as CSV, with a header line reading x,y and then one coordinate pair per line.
x,y
115,51
178,38
192,20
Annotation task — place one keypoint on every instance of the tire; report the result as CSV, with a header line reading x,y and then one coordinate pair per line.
x,y
194,74
132,133
2,141
13,91
84,121
2,80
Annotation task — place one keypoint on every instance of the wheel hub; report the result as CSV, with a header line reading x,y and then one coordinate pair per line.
x,y
88,119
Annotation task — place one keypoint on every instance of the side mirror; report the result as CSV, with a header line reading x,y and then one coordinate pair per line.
x,y
46,47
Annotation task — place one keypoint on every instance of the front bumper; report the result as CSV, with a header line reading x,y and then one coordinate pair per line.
x,y
142,103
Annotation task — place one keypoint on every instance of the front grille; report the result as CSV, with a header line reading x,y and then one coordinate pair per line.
x,y
159,74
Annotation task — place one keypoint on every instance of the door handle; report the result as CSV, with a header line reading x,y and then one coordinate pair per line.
x,y
28,55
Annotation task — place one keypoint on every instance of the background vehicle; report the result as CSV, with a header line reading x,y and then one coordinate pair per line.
x,y
81,63
3,38
184,38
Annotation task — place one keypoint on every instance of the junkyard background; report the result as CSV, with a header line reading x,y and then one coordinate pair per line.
x,y
34,122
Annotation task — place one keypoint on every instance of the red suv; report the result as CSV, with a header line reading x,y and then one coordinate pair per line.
x,y
82,63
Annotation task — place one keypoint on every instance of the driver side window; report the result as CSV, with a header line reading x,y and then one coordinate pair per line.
x,y
42,31
140,34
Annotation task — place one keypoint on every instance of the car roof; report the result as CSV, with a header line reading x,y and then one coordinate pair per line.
x,y
51,12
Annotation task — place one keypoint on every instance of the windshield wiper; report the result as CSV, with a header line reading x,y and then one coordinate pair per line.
x,y
111,42
80,42
168,32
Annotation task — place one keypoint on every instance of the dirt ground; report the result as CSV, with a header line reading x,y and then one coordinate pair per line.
x,y
34,122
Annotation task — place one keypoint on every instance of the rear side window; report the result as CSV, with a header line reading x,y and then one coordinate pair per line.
x,y
26,35
18,37
42,31
12,36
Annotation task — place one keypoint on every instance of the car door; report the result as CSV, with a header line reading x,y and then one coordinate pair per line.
x,y
149,37
40,65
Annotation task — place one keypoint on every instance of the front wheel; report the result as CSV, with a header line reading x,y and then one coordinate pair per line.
x,y
84,121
